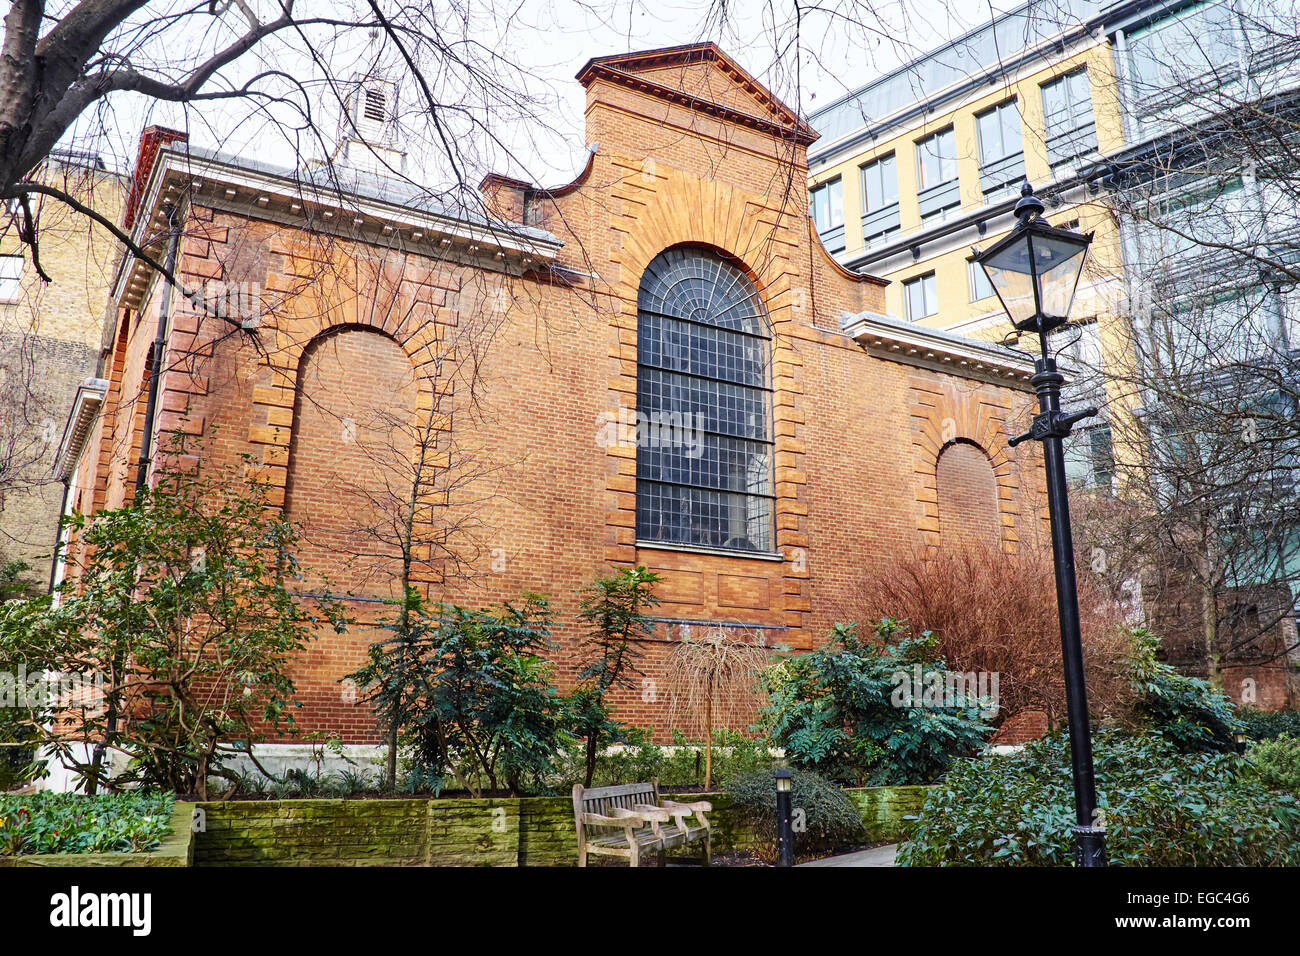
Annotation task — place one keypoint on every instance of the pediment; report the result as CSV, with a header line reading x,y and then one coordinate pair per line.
x,y
704,78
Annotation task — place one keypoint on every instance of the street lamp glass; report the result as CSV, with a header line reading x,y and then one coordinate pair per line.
x,y
1035,272
782,781
1059,263
1010,272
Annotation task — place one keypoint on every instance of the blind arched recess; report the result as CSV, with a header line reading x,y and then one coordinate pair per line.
x,y
704,455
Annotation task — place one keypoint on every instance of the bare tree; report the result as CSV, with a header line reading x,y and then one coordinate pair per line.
x,y
718,669
1202,377
406,513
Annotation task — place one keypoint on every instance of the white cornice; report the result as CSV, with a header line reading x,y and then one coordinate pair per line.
x,y
932,349
265,194
85,407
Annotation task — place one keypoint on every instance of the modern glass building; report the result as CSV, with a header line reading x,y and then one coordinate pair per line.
x,y
1171,131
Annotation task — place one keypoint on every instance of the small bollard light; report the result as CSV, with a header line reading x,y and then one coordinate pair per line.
x,y
784,833
1241,740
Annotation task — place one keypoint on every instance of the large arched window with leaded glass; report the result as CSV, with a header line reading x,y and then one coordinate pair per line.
x,y
704,448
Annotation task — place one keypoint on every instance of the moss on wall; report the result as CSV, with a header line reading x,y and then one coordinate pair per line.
x,y
529,831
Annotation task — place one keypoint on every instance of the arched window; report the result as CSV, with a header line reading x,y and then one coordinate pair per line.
x,y
349,460
704,455
967,491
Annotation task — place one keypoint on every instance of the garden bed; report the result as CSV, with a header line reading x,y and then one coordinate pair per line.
x,y
122,820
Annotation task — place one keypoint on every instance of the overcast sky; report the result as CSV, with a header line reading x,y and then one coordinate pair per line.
x,y
833,48
833,58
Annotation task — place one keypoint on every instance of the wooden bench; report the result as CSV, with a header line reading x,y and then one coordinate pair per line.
x,y
631,820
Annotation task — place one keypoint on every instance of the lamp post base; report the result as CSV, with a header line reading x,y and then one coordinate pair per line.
x,y
1089,846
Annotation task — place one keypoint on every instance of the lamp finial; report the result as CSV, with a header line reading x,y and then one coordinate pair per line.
x,y
1029,206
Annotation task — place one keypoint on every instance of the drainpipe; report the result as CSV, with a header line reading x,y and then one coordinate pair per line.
x,y
159,346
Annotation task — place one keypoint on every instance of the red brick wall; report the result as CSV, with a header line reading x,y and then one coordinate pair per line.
x,y
352,443
968,495
521,369
1021,728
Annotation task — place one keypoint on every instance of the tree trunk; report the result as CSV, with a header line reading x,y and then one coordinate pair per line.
x,y
110,730
708,736
593,746
392,755
1210,622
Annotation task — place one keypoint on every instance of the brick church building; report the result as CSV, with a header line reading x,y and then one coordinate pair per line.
x,y
656,364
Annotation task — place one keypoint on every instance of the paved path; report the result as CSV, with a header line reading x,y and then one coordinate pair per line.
x,y
876,856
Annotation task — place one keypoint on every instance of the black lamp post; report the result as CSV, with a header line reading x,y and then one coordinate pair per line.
x,y
784,833
1035,271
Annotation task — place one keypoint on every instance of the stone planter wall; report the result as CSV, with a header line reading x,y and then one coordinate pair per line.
x,y
528,831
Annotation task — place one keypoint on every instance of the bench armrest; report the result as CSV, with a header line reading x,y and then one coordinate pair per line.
x,y
621,818
693,807
682,810
651,812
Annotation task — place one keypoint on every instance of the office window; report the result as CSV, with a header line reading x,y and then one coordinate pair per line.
x,y
1183,67
1084,355
879,184
980,287
704,458
999,132
938,191
11,276
879,198
920,297
1002,154
827,205
1090,458
1067,118
936,159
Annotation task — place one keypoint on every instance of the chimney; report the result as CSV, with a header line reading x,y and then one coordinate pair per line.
x,y
151,140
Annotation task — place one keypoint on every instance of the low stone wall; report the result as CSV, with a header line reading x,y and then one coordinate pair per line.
x,y
176,850
883,809
528,831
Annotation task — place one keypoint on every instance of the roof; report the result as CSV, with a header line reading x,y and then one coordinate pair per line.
x,y
348,182
768,113
1031,31
371,203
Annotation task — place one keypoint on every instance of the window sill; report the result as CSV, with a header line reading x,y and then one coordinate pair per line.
x,y
704,549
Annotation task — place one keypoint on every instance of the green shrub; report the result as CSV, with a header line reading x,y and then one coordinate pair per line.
x,y
830,817
1265,725
470,692
837,710
614,611
74,823
680,767
1276,763
1160,807
1188,712
185,608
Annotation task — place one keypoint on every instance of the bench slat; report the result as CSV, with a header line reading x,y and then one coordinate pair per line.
x,y
626,789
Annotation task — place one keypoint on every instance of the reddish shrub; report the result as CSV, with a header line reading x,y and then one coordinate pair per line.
x,y
996,612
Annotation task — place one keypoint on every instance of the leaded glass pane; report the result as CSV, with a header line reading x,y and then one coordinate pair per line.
x,y
704,448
